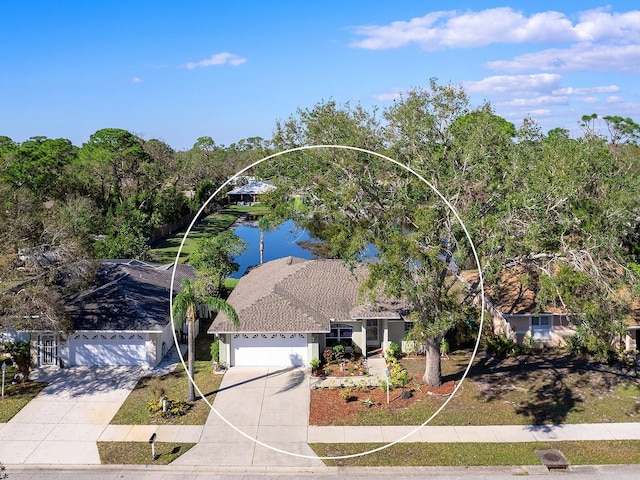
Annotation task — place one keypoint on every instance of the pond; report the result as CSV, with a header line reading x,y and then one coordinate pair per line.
x,y
278,243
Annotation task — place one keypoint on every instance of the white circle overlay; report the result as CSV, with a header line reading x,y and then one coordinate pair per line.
x,y
435,190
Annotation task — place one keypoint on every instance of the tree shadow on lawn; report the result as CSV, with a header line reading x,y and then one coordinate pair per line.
x,y
555,383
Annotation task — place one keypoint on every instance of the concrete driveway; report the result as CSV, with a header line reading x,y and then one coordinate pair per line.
x,y
270,404
62,424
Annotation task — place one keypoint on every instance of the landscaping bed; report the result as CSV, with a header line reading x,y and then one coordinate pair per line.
x,y
547,387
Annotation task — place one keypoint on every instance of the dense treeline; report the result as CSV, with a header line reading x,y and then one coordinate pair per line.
x,y
556,214
565,211
63,205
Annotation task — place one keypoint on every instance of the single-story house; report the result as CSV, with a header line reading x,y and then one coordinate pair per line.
x,y
291,309
249,193
123,319
513,309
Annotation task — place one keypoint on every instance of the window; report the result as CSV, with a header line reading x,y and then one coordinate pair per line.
x,y
339,333
541,327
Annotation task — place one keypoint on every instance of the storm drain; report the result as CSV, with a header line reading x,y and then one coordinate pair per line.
x,y
553,459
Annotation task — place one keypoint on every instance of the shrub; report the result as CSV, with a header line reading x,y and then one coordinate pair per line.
x,y
20,353
339,351
501,345
215,351
394,350
398,376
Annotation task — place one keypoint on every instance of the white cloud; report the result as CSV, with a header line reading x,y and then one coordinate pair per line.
x,y
218,59
136,80
450,29
515,84
579,57
534,101
590,100
586,91
540,112
614,99
393,94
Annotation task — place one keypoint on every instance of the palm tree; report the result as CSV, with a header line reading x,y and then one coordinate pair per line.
x,y
185,306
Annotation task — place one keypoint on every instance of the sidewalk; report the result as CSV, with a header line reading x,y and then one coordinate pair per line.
x,y
426,434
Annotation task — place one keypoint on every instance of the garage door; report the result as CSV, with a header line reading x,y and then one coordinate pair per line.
x,y
107,350
269,350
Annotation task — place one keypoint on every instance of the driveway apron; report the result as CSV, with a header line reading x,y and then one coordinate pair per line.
x,y
62,424
269,404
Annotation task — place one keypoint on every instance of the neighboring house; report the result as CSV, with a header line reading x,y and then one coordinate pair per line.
x,y
250,193
631,339
291,309
513,310
122,320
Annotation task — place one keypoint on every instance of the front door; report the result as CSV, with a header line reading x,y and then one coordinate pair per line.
x,y
48,350
373,335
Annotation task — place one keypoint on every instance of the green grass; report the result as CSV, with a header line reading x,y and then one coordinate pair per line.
x,y
175,386
480,454
16,396
165,250
139,453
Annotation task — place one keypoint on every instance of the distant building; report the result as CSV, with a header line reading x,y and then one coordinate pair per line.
x,y
250,193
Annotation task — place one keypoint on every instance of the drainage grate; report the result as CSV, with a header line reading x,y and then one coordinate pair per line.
x,y
553,459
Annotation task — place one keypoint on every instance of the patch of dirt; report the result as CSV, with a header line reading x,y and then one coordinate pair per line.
x,y
327,405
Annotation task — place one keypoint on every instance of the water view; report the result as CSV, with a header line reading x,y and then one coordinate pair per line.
x,y
278,243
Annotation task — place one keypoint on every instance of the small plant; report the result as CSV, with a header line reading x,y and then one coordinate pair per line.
x,y
345,393
167,408
394,351
444,348
367,402
327,371
339,351
382,385
327,355
315,364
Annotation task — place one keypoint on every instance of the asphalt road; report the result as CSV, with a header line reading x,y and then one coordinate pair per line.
x,y
617,472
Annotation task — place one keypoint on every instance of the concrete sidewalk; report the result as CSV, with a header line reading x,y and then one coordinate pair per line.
x,y
62,425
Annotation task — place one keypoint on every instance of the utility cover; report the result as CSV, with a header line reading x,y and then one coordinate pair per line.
x,y
553,459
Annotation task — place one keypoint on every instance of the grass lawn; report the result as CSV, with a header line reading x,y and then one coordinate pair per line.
x,y
480,454
174,385
545,388
16,396
139,453
165,251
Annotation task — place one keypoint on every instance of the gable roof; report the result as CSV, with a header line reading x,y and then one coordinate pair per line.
x,y
253,188
293,295
127,295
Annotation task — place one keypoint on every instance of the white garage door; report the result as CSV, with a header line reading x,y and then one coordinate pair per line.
x,y
107,350
279,349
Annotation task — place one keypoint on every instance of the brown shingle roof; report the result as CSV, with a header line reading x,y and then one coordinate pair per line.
x,y
294,295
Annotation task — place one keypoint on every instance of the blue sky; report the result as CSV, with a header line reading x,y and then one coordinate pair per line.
x,y
179,70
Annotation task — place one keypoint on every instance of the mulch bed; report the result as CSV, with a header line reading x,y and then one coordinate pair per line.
x,y
327,405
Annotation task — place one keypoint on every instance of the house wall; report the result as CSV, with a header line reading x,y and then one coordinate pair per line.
x,y
631,340
520,326
166,337
225,350
396,331
359,337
